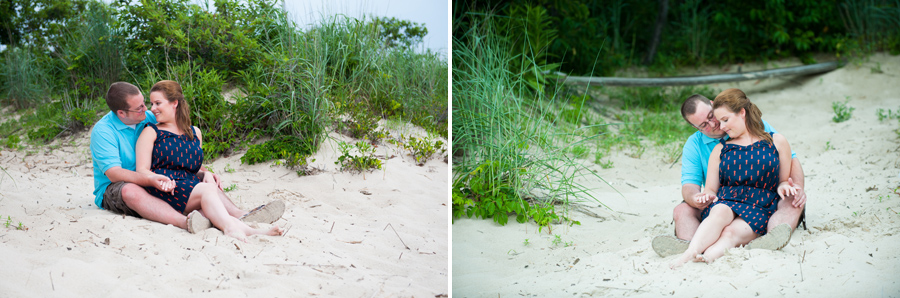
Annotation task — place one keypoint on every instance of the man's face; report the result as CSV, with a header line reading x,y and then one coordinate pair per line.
x,y
135,112
704,121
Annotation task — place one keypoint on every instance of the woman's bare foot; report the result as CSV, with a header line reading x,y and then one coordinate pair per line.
x,y
236,233
700,258
683,258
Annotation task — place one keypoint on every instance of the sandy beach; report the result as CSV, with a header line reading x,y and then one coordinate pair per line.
x,y
381,234
851,248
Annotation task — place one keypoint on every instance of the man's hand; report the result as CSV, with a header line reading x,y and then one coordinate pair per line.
x,y
799,196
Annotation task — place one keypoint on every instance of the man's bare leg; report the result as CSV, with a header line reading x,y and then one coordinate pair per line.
x,y
233,210
687,220
150,207
786,214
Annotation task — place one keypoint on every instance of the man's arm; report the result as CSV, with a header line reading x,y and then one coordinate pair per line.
x,y
117,174
688,191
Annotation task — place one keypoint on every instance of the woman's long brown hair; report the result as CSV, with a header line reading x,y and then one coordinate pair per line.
x,y
172,92
735,100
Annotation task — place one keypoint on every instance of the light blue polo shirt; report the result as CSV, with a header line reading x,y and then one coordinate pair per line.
x,y
695,156
112,145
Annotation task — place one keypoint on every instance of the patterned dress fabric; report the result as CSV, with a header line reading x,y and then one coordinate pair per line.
x,y
179,159
748,182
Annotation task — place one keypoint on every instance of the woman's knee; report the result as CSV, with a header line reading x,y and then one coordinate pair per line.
x,y
204,188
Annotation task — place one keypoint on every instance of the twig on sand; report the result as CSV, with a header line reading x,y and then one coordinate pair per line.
x,y
398,235
51,281
332,227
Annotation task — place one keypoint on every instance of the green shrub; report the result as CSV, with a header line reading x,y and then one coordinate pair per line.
x,y
12,142
422,149
842,112
292,150
366,161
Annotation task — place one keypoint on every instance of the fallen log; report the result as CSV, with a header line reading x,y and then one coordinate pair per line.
x,y
700,80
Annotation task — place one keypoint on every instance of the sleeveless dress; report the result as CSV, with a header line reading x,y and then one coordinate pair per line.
x,y
748,182
178,158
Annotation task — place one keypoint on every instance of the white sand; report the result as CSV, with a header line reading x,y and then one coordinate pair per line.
x,y
341,242
850,250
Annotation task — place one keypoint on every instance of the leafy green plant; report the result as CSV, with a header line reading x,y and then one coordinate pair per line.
x,y
231,187
828,146
292,150
366,161
842,112
422,149
886,114
228,168
12,142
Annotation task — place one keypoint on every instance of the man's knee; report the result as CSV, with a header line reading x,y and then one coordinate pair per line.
x,y
684,211
132,194
785,207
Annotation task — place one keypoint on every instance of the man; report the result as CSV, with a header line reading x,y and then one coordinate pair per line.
x,y
697,111
118,188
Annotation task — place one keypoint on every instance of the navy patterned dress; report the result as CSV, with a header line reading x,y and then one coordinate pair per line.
x,y
748,182
178,158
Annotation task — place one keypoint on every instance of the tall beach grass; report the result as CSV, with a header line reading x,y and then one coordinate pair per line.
x,y
508,157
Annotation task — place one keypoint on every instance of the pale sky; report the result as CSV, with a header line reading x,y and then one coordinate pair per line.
x,y
435,14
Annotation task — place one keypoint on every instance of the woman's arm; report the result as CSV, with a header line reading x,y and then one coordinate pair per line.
x,y
712,177
203,174
784,165
144,151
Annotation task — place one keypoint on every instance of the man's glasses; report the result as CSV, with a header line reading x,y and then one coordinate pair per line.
x,y
140,109
706,123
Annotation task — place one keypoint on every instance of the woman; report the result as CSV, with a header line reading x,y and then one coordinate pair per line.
x,y
746,175
174,148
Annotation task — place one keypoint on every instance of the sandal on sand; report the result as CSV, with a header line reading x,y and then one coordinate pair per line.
x,y
774,240
267,213
196,222
667,245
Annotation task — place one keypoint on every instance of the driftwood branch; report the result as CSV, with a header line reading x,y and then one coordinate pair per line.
x,y
700,80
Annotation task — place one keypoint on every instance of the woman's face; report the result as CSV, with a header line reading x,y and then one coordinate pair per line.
x,y
730,122
162,108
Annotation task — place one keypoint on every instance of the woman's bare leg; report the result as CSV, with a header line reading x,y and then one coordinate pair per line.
x,y
736,233
206,196
709,230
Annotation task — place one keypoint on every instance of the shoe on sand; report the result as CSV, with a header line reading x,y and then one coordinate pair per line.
x,y
196,222
667,245
267,213
775,239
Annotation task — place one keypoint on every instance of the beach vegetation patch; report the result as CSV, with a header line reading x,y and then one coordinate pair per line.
x,y
842,112
364,162
511,159
248,71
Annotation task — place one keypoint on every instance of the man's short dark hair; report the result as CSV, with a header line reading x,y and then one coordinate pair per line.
x,y
117,94
689,107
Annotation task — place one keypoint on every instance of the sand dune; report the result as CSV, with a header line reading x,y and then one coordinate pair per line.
x,y
348,233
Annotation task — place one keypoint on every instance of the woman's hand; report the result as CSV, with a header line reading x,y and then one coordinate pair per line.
x,y
704,198
787,189
796,193
163,183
